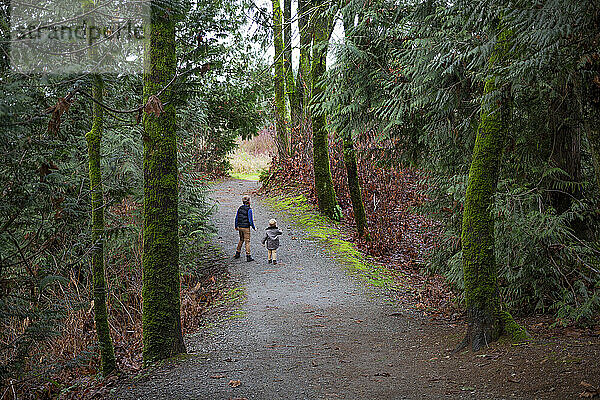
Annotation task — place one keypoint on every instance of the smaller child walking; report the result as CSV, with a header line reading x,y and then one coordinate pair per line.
x,y
271,240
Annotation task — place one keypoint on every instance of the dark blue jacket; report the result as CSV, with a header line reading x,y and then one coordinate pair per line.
x,y
243,218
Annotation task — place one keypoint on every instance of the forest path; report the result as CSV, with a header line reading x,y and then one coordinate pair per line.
x,y
306,330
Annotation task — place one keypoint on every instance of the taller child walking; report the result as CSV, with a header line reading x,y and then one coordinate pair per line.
x,y
243,222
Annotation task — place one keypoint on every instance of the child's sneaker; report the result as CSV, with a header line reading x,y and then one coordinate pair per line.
x,y
274,261
269,261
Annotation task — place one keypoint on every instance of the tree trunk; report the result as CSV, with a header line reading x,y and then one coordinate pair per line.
x,y
282,140
303,81
5,36
358,207
162,336
94,139
486,319
593,136
290,87
592,117
566,151
354,188
322,170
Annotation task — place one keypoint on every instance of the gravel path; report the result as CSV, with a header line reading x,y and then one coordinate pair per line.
x,y
306,330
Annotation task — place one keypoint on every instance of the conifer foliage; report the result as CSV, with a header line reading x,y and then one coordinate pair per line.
x,y
70,279
490,107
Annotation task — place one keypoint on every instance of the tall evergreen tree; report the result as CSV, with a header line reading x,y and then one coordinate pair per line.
x,y
591,83
290,86
161,304
94,140
302,81
350,161
303,75
592,124
565,148
321,27
486,318
282,139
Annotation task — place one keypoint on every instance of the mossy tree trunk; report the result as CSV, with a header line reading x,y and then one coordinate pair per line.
x,y
322,170
94,139
162,336
486,318
358,207
282,140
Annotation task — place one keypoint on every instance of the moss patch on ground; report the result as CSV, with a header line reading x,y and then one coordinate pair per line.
x,y
246,177
320,228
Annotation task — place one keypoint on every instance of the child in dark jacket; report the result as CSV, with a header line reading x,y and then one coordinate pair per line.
x,y
243,222
271,240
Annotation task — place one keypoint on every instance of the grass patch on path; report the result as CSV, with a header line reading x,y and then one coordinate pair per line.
x,y
319,228
252,176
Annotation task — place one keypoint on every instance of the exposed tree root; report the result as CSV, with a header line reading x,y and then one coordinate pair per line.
x,y
483,329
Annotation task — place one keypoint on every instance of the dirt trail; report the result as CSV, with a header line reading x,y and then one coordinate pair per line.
x,y
306,331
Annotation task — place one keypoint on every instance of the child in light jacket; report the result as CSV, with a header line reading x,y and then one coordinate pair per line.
x,y
271,240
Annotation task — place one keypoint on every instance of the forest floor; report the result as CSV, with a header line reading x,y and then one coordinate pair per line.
x,y
307,328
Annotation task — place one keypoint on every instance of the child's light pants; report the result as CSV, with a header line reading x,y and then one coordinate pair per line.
x,y
244,238
272,254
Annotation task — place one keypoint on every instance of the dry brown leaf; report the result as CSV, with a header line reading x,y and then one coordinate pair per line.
x,y
204,68
590,390
154,106
587,385
235,383
61,107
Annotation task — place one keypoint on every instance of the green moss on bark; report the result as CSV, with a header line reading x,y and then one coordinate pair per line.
x,y
486,320
94,139
511,328
358,207
162,336
322,170
354,188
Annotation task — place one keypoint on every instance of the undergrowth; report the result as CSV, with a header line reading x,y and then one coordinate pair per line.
x,y
251,157
547,261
